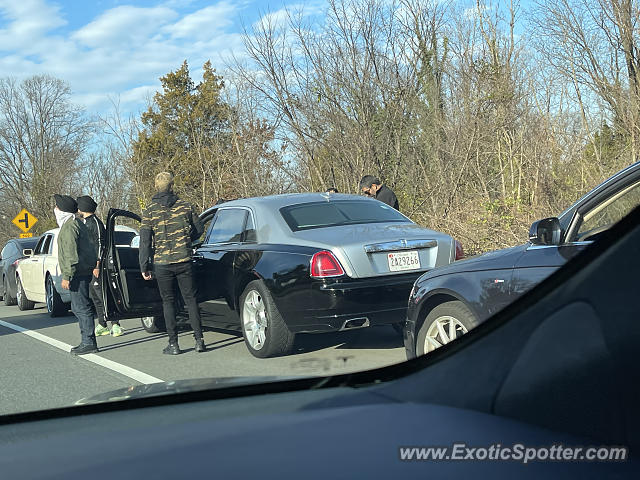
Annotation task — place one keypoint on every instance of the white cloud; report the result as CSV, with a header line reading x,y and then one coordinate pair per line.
x,y
204,23
280,18
476,11
122,52
125,25
27,19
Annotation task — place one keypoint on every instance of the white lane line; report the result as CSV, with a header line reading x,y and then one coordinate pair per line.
x,y
132,373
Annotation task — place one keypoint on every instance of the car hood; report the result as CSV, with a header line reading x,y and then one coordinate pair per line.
x,y
495,260
178,386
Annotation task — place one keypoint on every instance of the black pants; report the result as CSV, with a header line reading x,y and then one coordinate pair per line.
x,y
81,308
95,292
166,276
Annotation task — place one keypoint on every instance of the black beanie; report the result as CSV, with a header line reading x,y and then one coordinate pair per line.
x,y
87,204
66,203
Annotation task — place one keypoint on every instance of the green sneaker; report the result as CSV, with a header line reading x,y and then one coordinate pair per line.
x,y
101,331
116,330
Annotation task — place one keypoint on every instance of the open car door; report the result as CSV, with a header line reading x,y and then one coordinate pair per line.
x,y
126,293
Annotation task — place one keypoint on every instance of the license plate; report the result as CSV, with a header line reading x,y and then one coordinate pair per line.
x,y
399,261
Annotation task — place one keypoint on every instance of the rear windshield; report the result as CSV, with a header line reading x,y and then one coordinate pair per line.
x,y
306,216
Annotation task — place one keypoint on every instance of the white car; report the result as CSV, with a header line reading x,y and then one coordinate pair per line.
x,y
38,277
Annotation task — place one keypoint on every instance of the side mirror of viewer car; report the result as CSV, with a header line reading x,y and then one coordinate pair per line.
x,y
545,232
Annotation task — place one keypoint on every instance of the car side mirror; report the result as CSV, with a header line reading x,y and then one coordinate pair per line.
x,y
545,232
27,252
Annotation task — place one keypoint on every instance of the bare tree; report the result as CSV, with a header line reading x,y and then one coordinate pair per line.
x,y
42,136
594,46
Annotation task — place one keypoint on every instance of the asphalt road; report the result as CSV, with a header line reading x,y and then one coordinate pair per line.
x,y
37,373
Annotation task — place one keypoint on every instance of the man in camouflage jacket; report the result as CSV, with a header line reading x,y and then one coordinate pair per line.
x,y
170,225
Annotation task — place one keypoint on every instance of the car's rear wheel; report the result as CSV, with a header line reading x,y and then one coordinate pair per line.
x,y
443,324
8,299
23,302
55,306
264,330
154,324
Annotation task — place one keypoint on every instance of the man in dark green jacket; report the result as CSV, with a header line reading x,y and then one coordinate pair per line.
x,y
171,224
77,259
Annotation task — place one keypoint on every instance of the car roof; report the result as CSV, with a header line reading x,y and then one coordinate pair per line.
x,y
24,241
118,228
276,202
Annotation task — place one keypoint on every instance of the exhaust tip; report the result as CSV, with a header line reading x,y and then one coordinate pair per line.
x,y
353,323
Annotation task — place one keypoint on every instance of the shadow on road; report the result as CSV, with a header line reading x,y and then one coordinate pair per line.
x,y
128,343
36,319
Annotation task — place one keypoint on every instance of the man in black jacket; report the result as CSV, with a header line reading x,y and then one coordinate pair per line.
x,y
171,224
87,210
372,187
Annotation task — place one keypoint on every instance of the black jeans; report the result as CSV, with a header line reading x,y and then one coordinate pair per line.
x,y
166,276
81,308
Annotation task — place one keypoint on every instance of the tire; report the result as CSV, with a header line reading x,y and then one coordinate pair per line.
x,y
153,324
8,299
55,306
449,315
264,330
23,302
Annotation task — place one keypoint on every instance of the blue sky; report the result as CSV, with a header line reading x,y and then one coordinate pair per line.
x,y
118,49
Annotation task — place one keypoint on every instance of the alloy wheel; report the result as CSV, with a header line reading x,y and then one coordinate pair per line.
x,y
442,331
254,318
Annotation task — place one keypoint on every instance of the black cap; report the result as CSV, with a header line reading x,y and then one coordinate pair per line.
x,y
87,204
66,203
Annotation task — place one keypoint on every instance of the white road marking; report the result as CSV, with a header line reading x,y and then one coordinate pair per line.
x,y
132,373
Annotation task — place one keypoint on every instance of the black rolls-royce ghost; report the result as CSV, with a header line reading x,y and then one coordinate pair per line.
x,y
286,264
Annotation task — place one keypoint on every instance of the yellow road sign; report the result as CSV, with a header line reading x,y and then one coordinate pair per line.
x,y
24,220
26,235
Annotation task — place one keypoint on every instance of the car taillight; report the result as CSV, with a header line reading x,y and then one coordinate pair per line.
x,y
325,264
459,251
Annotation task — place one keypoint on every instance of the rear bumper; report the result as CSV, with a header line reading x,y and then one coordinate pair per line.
x,y
381,301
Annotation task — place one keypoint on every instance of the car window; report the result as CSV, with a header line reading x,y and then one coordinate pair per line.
x,y
603,216
227,226
46,246
250,230
8,250
43,245
207,221
330,214
123,238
